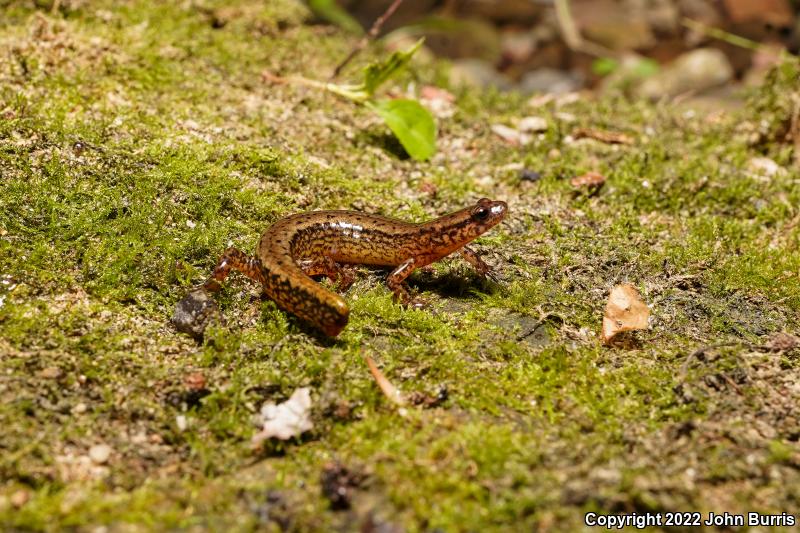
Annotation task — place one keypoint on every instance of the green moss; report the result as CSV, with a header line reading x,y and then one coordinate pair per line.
x,y
137,141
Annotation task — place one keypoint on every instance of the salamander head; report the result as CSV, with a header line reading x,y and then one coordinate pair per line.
x,y
474,221
456,230
487,213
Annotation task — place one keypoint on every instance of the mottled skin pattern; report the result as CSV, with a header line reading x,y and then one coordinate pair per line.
x,y
317,243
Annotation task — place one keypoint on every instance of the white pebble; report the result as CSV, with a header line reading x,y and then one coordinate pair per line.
x,y
99,453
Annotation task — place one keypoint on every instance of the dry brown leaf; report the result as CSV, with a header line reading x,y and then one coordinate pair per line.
x,y
589,180
610,137
625,311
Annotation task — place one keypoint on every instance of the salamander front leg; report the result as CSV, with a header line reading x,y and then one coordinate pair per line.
x,y
480,266
234,259
395,281
327,267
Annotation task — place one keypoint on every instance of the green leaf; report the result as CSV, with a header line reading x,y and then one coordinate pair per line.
x,y
376,74
411,123
603,66
330,11
646,67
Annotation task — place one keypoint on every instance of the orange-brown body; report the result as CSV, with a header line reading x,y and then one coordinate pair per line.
x,y
306,244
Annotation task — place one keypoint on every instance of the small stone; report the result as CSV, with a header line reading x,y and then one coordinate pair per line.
x,y
195,312
477,73
765,166
527,174
522,12
782,342
698,70
517,46
511,135
99,453
438,101
663,16
532,124
79,408
549,80
190,224
20,498
51,372
607,23
428,188
778,13
195,381
181,422
590,180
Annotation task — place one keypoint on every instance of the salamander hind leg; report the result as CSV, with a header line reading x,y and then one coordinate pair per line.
x,y
327,267
395,281
234,259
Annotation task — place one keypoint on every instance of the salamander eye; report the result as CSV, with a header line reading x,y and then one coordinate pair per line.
x,y
481,214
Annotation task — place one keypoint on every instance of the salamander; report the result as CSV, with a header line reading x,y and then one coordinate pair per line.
x,y
321,242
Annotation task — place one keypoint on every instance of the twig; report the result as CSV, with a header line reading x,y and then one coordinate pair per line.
x,y
722,35
701,351
389,390
704,349
572,36
371,34
794,128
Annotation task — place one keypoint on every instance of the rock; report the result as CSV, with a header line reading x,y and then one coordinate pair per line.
x,y
523,328
763,60
663,17
527,174
532,124
775,12
367,11
477,73
20,498
766,167
51,372
462,39
608,23
782,342
631,70
511,135
521,12
100,453
195,312
438,101
549,80
698,70
517,46
704,12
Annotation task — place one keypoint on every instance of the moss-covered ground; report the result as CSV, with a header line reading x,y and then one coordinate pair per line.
x,y
139,139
